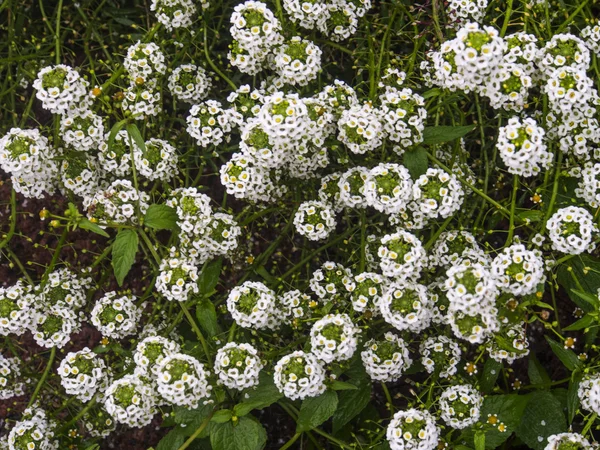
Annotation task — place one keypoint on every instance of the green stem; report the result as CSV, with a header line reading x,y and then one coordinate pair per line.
x,y
213,65
148,243
513,204
196,433
388,397
554,191
57,31
194,326
59,246
289,443
40,383
509,10
79,415
13,219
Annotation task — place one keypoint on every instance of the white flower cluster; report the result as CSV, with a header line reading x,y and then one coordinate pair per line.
x,y
131,401
514,343
403,116
470,287
34,431
82,130
204,234
438,194
115,317
119,203
253,305
52,327
178,279
517,270
388,188
64,288
385,359
182,380
460,406
338,21
145,61
149,354
563,50
589,185
61,89
589,393
190,83
116,160
16,304
97,422
334,338
83,374
245,103
256,32
440,355
315,220
508,86
80,174
360,128
238,365
406,306
297,61
174,13
305,12
571,230
27,156
568,440
367,291
297,305
351,187
142,99
591,37
300,375
401,256
209,123
158,162
522,148
463,11
331,281
413,430
11,380
450,247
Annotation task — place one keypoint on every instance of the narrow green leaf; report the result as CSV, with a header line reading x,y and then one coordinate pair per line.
x,y
316,410
586,270
123,253
209,277
222,416
582,323
573,397
207,317
114,131
479,440
247,434
434,92
93,227
566,356
161,217
416,161
589,298
441,134
135,134
536,372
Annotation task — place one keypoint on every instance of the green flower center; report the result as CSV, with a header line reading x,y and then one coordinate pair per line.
x,y
54,79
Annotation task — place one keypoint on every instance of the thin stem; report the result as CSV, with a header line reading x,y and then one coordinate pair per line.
x,y
513,204
213,65
40,383
57,31
289,443
196,433
13,219
194,326
509,10
388,397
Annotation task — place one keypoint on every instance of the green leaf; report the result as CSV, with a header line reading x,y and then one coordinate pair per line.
x,y
582,323
343,386
589,298
536,372
479,440
161,217
441,134
93,227
582,274
247,434
135,134
434,92
123,253
573,397
416,161
114,131
543,417
491,371
508,408
534,215
209,277
316,410
172,440
222,416
351,403
207,317
265,394
566,356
